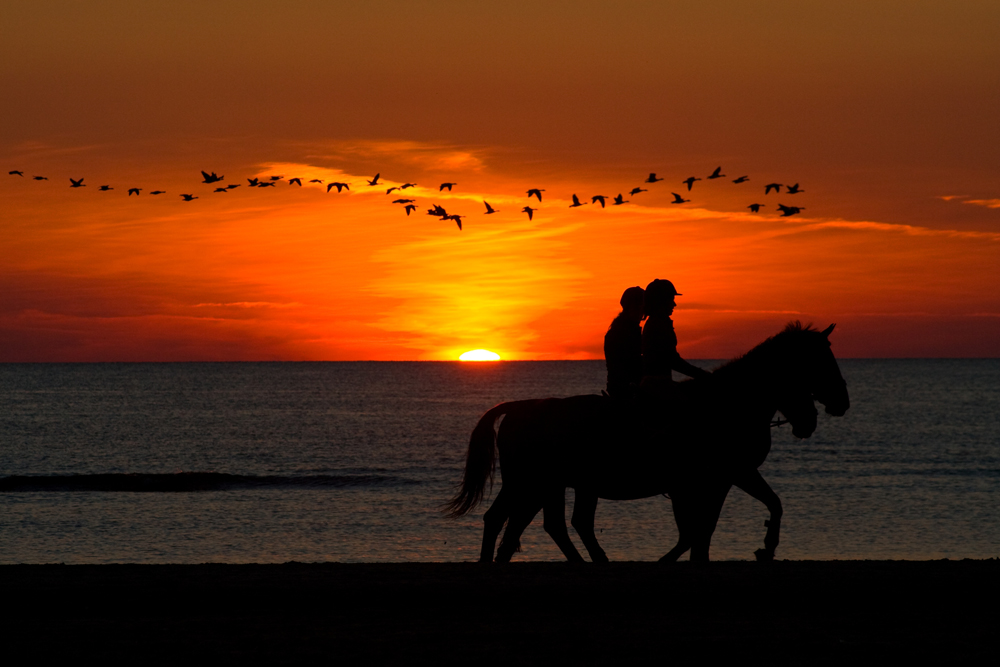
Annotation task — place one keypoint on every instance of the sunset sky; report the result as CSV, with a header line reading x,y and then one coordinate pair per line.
x,y
886,113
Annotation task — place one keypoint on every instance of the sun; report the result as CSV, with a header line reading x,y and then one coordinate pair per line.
x,y
479,355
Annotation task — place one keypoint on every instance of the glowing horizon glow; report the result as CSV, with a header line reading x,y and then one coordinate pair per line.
x,y
479,355
898,239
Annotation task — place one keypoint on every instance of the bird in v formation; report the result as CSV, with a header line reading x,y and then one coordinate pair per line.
x,y
213,177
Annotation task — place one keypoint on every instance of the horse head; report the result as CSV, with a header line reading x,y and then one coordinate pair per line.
x,y
812,374
828,385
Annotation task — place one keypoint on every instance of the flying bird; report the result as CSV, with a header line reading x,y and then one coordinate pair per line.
x,y
678,199
340,186
529,211
403,201
576,202
374,181
221,190
619,200
456,218
489,209
158,192
407,185
690,181
277,178
296,181
754,208
211,178
40,178
636,191
410,207
391,189
15,172
788,210
253,182
772,186
598,198
536,192
652,178
448,185
717,173
189,197
794,189
742,179
134,191
105,188
77,184
316,180
437,210
232,186
266,184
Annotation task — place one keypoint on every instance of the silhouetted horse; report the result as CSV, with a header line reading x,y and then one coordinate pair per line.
x,y
714,434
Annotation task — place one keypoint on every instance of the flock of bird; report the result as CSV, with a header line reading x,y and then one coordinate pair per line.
x,y
409,204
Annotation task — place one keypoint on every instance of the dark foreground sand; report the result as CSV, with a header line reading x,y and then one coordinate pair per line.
x,y
528,613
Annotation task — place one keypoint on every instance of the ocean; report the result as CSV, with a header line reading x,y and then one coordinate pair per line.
x,y
351,461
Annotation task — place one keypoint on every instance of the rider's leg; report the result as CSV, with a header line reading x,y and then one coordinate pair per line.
x,y
521,514
555,524
757,488
493,521
584,509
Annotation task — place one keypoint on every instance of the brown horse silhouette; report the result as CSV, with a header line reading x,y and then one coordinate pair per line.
x,y
713,435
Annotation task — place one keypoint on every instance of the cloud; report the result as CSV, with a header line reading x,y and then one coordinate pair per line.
x,y
248,304
428,156
988,203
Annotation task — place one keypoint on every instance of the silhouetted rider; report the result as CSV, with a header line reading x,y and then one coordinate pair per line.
x,y
659,342
623,346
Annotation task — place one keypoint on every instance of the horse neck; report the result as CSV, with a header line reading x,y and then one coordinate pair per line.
x,y
753,380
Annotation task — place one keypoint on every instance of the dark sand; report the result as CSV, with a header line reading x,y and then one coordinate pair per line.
x,y
528,613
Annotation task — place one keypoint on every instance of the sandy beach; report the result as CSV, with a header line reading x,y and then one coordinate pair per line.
x,y
789,612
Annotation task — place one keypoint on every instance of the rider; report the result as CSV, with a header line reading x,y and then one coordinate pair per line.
x,y
659,342
623,346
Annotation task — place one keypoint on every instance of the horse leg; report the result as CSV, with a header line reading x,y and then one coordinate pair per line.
x,y
757,488
706,518
584,509
493,521
520,516
555,524
683,519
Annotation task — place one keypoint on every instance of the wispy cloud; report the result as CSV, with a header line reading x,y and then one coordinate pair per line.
x,y
248,304
428,156
988,203
965,199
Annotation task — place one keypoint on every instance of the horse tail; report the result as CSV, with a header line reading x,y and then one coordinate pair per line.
x,y
480,463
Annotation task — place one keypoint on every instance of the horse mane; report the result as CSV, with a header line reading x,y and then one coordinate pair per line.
x,y
762,353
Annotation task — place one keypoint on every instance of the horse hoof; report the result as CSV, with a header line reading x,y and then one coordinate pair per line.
x,y
764,555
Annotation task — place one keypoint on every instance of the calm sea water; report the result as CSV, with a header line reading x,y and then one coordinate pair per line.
x,y
271,462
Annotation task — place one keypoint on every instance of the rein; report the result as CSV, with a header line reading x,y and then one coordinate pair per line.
x,y
778,422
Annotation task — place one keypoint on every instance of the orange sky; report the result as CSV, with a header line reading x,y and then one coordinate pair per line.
x,y
885,114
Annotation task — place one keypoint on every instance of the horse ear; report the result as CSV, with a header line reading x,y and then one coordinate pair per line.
x,y
829,330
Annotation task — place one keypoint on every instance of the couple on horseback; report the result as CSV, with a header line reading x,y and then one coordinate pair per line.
x,y
692,441
640,361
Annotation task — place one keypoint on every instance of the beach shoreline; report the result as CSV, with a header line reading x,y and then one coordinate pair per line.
x,y
816,612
